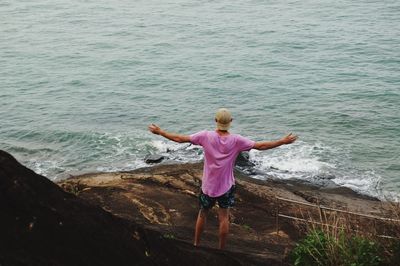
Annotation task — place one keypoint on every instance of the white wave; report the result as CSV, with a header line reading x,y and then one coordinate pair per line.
x,y
299,160
365,183
127,166
46,168
389,196
312,162
162,146
177,151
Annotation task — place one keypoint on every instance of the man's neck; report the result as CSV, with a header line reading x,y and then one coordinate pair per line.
x,y
222,132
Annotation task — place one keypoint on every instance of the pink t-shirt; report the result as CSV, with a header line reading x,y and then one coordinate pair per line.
x,y
220,154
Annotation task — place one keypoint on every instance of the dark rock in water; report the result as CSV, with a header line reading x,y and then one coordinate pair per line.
x,y
254,171
41,224
154,158
243,160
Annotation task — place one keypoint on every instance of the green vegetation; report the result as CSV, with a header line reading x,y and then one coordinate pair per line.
x,y
320,248
342,238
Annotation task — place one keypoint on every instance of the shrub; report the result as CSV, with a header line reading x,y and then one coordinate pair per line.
x,y
320,248
311,250
362,251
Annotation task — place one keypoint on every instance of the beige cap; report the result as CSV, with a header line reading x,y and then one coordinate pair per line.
x,y
223,118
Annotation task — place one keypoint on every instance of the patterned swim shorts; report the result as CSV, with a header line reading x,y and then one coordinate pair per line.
x,y
226,200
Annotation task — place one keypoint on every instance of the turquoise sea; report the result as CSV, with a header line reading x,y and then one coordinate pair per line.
x,y
80,80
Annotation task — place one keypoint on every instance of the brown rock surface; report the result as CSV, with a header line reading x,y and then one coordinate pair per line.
x,y
43,225
164,198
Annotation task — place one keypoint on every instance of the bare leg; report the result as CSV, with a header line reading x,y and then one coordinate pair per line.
x,y
223,216
200,224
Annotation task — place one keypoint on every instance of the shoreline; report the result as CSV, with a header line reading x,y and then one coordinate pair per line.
x,y
294,188
247,167
289,184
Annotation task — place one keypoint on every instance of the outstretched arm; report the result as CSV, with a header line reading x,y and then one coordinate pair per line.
x,y
171,136
265,145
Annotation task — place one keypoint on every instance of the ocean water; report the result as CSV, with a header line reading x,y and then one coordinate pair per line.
x,y
81,80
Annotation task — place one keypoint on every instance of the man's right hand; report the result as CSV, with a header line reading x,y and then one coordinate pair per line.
x,y
153,128
289,139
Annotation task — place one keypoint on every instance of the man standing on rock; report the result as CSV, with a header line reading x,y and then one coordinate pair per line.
x,y
218,183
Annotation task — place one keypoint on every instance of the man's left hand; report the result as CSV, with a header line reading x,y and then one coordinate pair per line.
x,y
153,128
